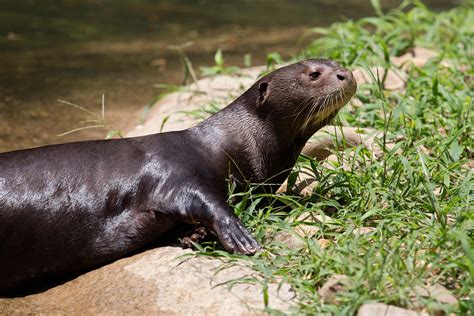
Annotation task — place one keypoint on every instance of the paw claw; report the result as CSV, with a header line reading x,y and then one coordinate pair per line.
x,y
235,237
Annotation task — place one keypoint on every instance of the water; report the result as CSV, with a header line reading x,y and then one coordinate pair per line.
x,y
77,50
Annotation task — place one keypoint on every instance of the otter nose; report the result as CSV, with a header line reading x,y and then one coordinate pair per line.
x,y
343,74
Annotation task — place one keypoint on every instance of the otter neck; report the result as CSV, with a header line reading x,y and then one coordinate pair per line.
x,y
261,148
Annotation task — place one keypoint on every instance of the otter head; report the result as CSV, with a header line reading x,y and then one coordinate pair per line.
x,y
305,95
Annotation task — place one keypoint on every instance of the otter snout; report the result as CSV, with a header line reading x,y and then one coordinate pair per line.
x,y
344,74
345,79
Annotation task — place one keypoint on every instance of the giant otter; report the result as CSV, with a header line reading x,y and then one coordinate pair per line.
x,y
72,207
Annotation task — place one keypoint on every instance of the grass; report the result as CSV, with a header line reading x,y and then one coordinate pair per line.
x,y
96,120
417,196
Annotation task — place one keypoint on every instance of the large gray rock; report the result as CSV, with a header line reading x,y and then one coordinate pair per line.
x,y
158,281
378,309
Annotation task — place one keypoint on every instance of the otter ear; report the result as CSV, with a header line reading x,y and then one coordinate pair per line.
x,y
263,89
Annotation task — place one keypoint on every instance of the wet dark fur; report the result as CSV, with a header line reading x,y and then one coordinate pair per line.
x,y
72,207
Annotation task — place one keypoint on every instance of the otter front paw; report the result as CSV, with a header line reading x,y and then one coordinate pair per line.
x,y
234,237
198,235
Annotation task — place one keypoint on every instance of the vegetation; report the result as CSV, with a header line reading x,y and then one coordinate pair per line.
x,y
415,197
96,121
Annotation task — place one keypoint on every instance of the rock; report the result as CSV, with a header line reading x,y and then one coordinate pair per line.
x,y
333,137
303,186
334,284
158,281
436,292
318,218
471,164
324,243
419,57
307,231
363,230
303,230
377,309
292,241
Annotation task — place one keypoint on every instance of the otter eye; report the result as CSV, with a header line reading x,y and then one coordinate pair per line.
x,y
314,75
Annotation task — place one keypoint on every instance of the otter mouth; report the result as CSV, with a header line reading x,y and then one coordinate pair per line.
x,y
325,106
